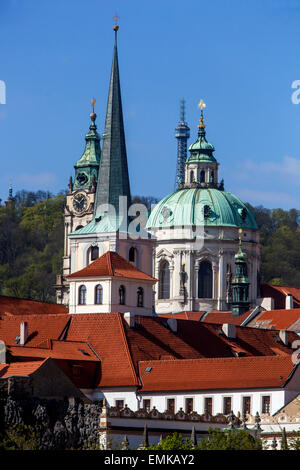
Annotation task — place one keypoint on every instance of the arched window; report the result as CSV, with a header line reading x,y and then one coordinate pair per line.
x,y
94,252
82,295
98,294
132,254
202,176
140,297
212,177
164,281
192,177
205,280
122,295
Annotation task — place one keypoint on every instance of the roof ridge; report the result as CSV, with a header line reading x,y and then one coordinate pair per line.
x,y
109,262
215,359
137,381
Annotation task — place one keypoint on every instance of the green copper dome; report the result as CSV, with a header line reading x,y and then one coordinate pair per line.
x,y
197,206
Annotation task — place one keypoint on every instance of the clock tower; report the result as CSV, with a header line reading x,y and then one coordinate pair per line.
x,y
80,198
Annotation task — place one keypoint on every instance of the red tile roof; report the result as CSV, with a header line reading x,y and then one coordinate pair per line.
x,y
183,315
120,348
15,306
22,369
278,319
105,333
279,294
216,373
216,316
40,327
111,265
71,350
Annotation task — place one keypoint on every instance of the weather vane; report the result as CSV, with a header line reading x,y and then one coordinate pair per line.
x,y
93,102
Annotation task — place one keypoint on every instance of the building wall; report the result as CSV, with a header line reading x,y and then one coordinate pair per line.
x,y
217,245
159,399
111,296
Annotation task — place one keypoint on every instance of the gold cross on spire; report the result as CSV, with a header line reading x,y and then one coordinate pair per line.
x,y
201,105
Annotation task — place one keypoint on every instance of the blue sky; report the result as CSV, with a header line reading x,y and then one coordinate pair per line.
x,y
241,57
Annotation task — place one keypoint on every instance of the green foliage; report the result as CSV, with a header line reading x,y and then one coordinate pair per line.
x,y
173,441
20,437
31,245
280,240
235,439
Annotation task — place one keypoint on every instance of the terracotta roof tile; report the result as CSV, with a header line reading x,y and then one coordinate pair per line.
x,y
71,350
279,319
215,316
183,315
279,294
111,264
15,306
40,327
216,373
104,332
22,369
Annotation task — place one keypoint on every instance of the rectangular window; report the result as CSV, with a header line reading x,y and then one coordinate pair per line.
x,y
147,404
208,405
246,405
227,405
189,405
171,405
119,404
265,405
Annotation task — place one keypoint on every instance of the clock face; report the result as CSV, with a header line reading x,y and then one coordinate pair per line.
x,y
80,202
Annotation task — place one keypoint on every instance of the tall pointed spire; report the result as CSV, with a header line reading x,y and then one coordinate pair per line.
x,y
113,179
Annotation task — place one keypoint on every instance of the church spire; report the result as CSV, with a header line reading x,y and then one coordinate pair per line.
x,y
113,180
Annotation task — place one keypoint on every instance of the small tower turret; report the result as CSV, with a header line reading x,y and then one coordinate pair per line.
x,y
87,167
182,133
240,282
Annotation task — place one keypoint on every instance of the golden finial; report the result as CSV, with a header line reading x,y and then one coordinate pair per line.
x,y
93,115
240,235
201,105
116,19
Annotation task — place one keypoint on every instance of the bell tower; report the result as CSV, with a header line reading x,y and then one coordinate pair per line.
x,y
80,199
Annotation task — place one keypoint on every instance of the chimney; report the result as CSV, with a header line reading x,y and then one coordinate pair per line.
x,y
172,324
229,330
2,352
23,332
289,302
283,335
129,318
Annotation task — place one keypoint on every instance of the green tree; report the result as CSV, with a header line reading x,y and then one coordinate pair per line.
x,y
173,441
235,439
20,437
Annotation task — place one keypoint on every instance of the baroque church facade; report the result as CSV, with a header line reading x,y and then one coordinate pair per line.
x,y
199,245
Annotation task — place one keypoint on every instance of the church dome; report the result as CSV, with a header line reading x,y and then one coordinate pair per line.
x,y
201,207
